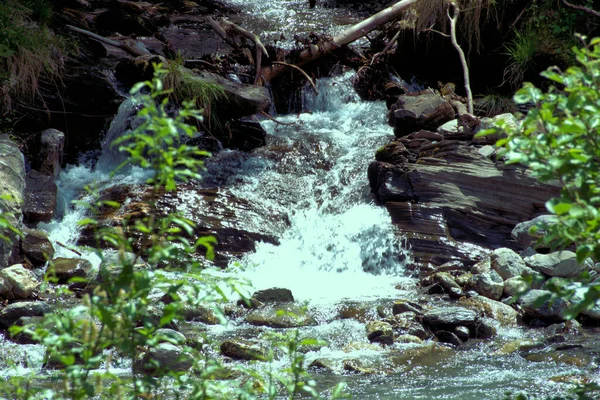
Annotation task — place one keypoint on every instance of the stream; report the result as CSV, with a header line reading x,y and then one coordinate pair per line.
x,y
337,248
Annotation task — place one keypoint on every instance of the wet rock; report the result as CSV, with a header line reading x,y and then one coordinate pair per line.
x,y
393,153
462,332
423,134
357,367
515,286
240,349
163,358
408,339
66,268
406,324
447,318
489,284
40,198
561,264
482,266
244,135
12,312
446,281
402,306
52,146
448,337
522,231
36,247
362,312
280,316
507,263
323,365
422,112
454,204
170,336
273,295
504,314
538,304
17,282
380,332
484,330
515,345
12,176
204,313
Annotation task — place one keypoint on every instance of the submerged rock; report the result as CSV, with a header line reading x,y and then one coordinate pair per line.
x,y
280,316
240,349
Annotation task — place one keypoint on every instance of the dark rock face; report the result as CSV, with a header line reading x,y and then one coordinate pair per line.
x,y
453,202
236,223
40,198
413,113
36,247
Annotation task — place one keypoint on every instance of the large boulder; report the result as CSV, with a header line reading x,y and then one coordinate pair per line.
x,y
507,263
63,269
40,198
163,358
240,349
489,284
36,247
539,304
413,113
12,188
17,282
560,264
522,231
454,203
12,312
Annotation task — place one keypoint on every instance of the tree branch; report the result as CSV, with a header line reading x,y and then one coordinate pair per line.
x,y
581,8
461,53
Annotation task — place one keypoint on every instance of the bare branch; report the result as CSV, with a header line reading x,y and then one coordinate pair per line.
x,y
582,8
301,71
461,53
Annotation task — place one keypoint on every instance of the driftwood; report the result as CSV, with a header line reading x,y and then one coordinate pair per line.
x,y
355,32
226,30
130,46
461,53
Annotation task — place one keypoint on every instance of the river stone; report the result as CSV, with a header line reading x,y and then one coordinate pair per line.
x,y
323,365
170,336
40,198
240,349
19,282
201,312
534,306
408,339
515,286
522,234
462,332
273,295
162,358
402,306
36,247
357,367
484,330
66,268
25,337
448,284
380,332
12,312
406,324
448,337
12,177
446,318
53,143
507,263
413,113
504,314
560,263
280,316
489,284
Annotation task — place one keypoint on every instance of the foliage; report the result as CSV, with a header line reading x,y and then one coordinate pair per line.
x,y
29,51
559,140
521,52
493,104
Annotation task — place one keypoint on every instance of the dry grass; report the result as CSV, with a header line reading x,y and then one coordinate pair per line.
x,y
29,52
433,14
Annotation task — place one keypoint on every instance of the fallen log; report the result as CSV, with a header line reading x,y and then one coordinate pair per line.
x,y
350,35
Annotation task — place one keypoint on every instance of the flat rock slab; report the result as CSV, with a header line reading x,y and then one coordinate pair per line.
x,y
445,317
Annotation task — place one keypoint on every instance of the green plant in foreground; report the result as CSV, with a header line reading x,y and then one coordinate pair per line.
x,y
559,140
